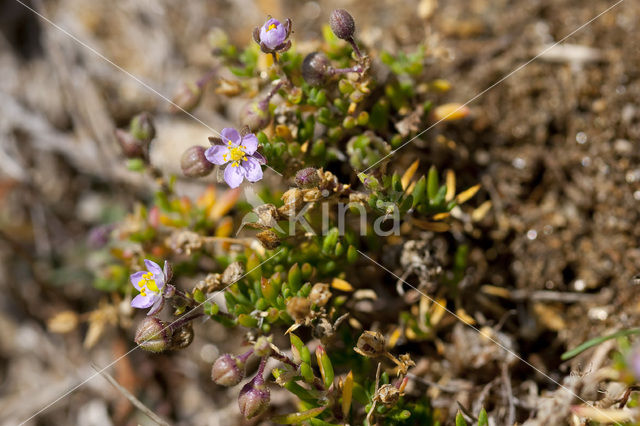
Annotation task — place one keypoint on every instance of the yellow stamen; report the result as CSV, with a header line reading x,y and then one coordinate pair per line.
x,y
148,283
236,154
272,26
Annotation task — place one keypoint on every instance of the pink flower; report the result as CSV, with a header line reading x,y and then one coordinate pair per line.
x,y
150,284
240,152
272,36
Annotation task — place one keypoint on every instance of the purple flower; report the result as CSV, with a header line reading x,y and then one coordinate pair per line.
x,y
240,152
272,36
150,284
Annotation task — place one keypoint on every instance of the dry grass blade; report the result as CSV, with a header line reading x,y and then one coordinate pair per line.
x,y
135,401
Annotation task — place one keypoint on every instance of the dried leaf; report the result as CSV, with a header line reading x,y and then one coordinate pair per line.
x,y
406,177
347,394
466,195
340,284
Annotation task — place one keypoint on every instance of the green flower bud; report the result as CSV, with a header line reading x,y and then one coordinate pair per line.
x,y
142,127
153,335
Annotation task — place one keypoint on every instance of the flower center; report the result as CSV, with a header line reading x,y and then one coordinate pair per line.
x,y
271,27
235,154
148,283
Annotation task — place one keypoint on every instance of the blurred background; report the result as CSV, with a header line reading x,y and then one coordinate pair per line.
x,y
555,147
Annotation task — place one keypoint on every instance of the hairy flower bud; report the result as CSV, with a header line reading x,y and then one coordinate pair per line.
x,y
370,344
316,69
142,127
307,178
187,97
153,335
256,116
228,370
342,24
262,347
194,163
254,398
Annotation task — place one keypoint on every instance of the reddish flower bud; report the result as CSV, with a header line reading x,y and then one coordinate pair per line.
x,y
254,398
131,146
307,178
228,370
316,69
187,97
194,163
342,24
256,116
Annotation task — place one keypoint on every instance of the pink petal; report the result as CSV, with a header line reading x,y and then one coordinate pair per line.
x,y
252,169
143,302
135,279
250,143
233,175
157,306
230,134
215,154
259,158
153,267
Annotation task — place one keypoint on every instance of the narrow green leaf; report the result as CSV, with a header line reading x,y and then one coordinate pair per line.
x,y
483,420
596,341
433,183
460,421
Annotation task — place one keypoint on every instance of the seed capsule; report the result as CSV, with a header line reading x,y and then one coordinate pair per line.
x,y
342,24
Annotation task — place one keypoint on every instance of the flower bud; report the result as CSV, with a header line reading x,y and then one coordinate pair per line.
x,y
194,163
298,308
269,239
187,97
228,370
153,335
370,344
256,116
262,347
253,399
342,24
316,69
131,147
307,178
142,127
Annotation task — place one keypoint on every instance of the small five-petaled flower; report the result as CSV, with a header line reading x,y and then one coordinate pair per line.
x,y
150,284
272,36
241,154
